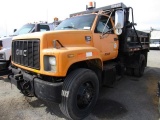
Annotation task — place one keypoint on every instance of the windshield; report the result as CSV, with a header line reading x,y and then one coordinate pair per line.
x,y
24,29
83,22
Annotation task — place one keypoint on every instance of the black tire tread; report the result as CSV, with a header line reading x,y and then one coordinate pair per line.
x,y
129,71
68,81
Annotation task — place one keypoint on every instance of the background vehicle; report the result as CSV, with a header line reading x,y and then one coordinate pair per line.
x,y
155,40
155,44
5,42
86,51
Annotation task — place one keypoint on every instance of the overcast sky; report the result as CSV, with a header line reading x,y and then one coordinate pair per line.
x,y
15,13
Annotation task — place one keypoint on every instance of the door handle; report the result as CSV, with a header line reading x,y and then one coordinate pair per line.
x,y
115,39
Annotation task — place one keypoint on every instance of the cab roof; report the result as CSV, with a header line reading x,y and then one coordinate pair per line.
x,y
114,6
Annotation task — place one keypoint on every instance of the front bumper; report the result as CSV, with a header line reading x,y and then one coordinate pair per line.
x,y
31,85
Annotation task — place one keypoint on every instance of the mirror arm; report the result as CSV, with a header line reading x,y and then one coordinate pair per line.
x,y
106,23
108,31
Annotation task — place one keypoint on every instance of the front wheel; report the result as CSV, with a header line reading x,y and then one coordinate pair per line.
x,y
79,93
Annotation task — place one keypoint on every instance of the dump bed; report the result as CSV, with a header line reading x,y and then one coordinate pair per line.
x,y
133,40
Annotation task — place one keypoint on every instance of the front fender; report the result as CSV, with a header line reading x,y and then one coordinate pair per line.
x,y
75,54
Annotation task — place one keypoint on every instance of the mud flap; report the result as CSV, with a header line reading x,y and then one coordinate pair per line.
x,y
109,76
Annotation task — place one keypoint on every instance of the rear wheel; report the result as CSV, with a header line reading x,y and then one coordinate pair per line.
x,y
129,71
79,93
138,72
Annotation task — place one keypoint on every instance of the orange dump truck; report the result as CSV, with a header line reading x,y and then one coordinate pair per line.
x,y
86,51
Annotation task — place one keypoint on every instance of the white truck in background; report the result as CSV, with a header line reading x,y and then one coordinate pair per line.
x,y
5,42
155,44
155,39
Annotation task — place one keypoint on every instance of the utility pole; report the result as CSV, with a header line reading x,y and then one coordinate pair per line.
x,y
47,15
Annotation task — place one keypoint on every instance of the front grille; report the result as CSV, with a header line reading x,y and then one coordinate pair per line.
x,y
26,53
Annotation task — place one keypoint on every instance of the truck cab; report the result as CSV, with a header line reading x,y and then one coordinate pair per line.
x,y
97,36
30,28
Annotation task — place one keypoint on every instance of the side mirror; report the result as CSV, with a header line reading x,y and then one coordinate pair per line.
x,y
14,30
119,21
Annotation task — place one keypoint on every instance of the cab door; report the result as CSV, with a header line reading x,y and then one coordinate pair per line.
x,y
107,43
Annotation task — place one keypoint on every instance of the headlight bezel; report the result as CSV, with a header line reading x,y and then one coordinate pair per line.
x,y
50,63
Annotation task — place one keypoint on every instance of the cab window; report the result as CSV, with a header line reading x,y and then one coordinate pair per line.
x,y
44,28
101,25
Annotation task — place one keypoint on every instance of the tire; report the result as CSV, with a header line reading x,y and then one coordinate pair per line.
x,y
129,71
79,93
138,72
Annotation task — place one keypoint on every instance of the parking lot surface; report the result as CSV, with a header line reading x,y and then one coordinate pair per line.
x,y
130,99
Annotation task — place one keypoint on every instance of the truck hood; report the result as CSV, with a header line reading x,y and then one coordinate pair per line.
x,y
5,38
65,37
70,38
6,42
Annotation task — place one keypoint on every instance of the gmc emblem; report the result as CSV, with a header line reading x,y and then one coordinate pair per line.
x,y
21,52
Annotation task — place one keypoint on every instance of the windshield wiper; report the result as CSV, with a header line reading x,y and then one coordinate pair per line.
x,y
70,27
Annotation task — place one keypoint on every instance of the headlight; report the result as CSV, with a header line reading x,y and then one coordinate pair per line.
x,y
52,61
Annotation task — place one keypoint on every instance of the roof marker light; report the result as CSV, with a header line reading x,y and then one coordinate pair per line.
x,y
55,19
91,5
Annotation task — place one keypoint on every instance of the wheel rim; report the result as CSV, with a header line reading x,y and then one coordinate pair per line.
x,y
85,95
